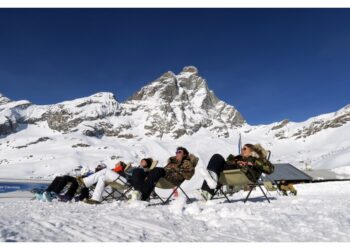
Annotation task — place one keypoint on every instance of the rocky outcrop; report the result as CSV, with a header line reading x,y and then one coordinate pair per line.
x,y
182,104
313,125
11,114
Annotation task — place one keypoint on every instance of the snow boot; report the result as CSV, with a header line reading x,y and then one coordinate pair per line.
x,y
210,177
206,195
39,196
135,196
64,198
47,196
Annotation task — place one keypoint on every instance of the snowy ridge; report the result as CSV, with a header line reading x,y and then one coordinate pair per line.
x,y
40,141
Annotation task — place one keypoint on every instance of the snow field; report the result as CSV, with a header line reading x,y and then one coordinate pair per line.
x,y
318,213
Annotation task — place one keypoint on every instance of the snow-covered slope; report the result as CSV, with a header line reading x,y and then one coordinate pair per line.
x,y
319,213
41,141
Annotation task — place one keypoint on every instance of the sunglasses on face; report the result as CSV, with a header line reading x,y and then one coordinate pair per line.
x,y
244,149
179,152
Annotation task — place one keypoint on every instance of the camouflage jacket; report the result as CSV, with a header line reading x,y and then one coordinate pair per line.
x,y
176,172
252,167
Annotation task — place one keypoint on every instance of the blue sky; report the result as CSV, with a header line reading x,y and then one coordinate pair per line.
x,y
270,64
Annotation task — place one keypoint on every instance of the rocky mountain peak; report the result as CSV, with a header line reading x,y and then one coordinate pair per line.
x,y
183,104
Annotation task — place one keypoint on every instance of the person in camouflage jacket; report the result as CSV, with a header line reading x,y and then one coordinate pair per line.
x,y
179,168
250,162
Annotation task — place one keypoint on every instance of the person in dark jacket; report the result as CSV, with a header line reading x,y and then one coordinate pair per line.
x,y
250,162
179,168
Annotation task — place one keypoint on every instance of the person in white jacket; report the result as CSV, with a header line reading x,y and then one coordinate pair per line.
x,y
109,175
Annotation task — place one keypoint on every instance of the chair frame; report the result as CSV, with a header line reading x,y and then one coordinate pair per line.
x,y
240,180
164,184
121,189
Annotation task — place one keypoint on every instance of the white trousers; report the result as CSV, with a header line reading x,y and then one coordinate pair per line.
x,y
101,177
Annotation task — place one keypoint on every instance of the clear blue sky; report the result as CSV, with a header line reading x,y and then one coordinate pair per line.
x,y
271,64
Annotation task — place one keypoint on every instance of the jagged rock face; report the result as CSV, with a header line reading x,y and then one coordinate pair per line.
x,y
317,124
182,104
320,125
7,125
11,114
68,115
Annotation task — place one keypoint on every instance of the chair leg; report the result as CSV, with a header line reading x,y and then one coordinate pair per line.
x,y
225,195
264,193
250,191
171,195
215,192
157,195
188,198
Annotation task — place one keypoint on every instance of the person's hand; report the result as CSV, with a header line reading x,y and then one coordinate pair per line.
x,y
244,163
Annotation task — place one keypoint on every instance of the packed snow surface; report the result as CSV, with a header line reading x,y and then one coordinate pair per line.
x,y
318,213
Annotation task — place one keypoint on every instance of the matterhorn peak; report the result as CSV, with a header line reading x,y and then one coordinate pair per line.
x,y
190,70
182,104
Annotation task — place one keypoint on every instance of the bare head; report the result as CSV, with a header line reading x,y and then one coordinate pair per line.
x,y
146,163
181,153
247,150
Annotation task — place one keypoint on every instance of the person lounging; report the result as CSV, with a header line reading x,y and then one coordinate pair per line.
x,y
179,168
109,175
286,187
251,162
60,182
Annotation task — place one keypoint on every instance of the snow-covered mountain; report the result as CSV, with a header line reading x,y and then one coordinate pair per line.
x,y
173,105
173,110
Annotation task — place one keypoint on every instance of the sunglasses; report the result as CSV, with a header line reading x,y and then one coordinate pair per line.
x,y
179,152
244,149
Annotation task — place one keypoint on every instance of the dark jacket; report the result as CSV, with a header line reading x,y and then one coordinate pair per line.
x,y
176,172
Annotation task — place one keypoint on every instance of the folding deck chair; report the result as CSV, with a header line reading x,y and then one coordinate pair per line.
x,y
119,186
236,177
164,184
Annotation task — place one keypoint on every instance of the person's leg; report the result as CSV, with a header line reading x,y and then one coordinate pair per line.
x,y
205,187
63,181
100,186
138,178
109,176
216,165
54,184
84,194
92,179
112,176
151,181
73,187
